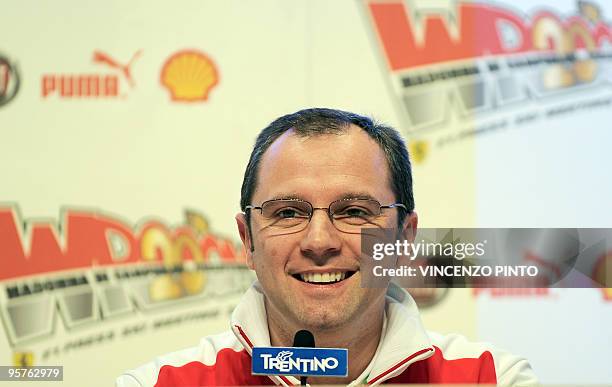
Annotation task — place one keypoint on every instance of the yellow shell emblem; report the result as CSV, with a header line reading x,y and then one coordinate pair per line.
x,y
189,75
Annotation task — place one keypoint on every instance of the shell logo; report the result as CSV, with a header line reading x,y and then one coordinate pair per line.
x,y
189,75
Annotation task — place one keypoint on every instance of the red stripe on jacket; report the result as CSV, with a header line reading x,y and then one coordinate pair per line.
x,y
231,368
436,369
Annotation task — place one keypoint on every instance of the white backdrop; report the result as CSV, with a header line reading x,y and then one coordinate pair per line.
x,y
141,157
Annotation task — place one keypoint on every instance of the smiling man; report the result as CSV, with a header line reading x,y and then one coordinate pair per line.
x,y
314,180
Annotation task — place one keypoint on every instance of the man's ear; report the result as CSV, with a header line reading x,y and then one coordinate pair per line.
x,y
245,236
409,227
408,233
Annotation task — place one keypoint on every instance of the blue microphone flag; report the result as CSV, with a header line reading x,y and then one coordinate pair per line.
x,y
300,361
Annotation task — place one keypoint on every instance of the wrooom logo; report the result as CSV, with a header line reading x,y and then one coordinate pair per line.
x,y
86,238
93,266
470,58
300,361
414,36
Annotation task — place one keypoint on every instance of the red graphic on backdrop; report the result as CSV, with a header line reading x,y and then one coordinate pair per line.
x,y
100,57
91,85
9,80
410,40
85,239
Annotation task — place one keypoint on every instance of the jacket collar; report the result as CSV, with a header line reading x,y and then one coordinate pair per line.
x,y
405,340
250,326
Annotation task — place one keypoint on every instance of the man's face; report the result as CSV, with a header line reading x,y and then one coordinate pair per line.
x,y
320,170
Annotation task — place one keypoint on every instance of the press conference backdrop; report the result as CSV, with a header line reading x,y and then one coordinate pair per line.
x,y
125,128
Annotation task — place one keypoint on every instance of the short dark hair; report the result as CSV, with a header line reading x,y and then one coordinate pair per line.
x,y
319,121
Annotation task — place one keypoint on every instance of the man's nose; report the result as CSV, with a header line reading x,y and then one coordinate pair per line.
x,y
322,239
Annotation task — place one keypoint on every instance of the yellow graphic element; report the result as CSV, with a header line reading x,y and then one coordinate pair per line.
x,y
154,243
603,270
23,359
547,31
418,151
173,286
182,250
186,247
590,11
197,222
585,70
557,77
165,287
189,76
193,282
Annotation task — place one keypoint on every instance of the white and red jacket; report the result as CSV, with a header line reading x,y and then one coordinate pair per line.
x,y
406,354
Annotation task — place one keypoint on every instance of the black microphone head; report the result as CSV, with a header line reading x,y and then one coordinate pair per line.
x,y
304,338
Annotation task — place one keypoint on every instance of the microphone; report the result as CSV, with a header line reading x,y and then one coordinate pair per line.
x,y
303,338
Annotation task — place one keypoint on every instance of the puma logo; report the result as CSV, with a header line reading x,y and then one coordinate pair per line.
x,y
103,58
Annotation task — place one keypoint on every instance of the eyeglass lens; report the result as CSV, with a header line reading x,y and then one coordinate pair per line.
x,y
347,215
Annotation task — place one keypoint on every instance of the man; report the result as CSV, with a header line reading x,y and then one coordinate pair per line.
x,y
314,179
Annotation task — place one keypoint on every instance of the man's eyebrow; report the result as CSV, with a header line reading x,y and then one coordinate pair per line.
x,y
286,196
346,195
357,195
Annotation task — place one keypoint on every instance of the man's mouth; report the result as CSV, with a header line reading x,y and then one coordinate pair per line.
x,y
324,278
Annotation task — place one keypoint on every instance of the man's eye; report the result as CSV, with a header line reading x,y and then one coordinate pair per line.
x,y
356,212
287,213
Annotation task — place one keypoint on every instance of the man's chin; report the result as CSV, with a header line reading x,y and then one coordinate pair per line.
x,y
327,318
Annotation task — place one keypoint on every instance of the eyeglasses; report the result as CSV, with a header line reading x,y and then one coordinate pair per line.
x,y
347,215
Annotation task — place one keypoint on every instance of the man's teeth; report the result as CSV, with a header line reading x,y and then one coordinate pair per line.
x,y
323,277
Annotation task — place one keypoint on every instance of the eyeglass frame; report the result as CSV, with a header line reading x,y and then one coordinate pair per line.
x,y
326,209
